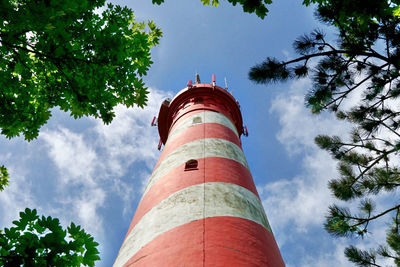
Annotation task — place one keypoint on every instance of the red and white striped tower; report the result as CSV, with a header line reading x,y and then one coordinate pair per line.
x,y
200,206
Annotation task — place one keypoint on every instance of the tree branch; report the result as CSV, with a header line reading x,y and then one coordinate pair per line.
x,y
364,220
328,53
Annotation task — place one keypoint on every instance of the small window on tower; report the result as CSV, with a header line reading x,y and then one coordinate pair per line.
x,y
191,165
198,100
196,119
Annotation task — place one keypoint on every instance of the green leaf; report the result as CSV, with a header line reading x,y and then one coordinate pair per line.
x,y
44,243
4,178
396,11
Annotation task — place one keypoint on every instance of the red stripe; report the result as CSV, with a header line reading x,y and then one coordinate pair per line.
x,y
203,130
217,170
232,241
180,119
229,241
194,109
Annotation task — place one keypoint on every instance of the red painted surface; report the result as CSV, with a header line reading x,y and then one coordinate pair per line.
x,y
200,131
197,108
181,118
229,241
216,170
215,98
181,246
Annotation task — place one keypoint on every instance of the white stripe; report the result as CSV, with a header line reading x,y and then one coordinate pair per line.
x,y
205,117
187,205
201,148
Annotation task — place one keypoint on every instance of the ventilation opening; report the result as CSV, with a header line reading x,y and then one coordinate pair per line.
x,y
198,100
191,165
196,120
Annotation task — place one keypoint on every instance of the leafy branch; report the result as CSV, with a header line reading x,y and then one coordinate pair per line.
x,y
65,55
4,178
41,241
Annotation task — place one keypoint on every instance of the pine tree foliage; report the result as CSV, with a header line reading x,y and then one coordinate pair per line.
x,y
361,257
364,60
41,241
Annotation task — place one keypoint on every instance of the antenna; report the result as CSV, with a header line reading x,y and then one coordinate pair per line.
x,y
226,84
159,144
213,79
154,121
197,77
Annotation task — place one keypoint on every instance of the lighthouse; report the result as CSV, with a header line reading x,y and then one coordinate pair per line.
x,y
200,206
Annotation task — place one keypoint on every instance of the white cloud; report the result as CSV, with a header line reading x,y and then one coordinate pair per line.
x,y
79,192
101,162
332,258
129,137
74,158
303,198
299,204
298,126
286,54
84,173
86,207
16,197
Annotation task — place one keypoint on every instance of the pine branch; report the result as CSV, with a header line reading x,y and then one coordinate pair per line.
x,y
335,52
365,220
353,88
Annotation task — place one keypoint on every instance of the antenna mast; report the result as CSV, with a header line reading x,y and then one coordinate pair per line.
x,y
197,77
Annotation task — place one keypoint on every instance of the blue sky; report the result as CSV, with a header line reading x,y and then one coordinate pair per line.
x,y
93,175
